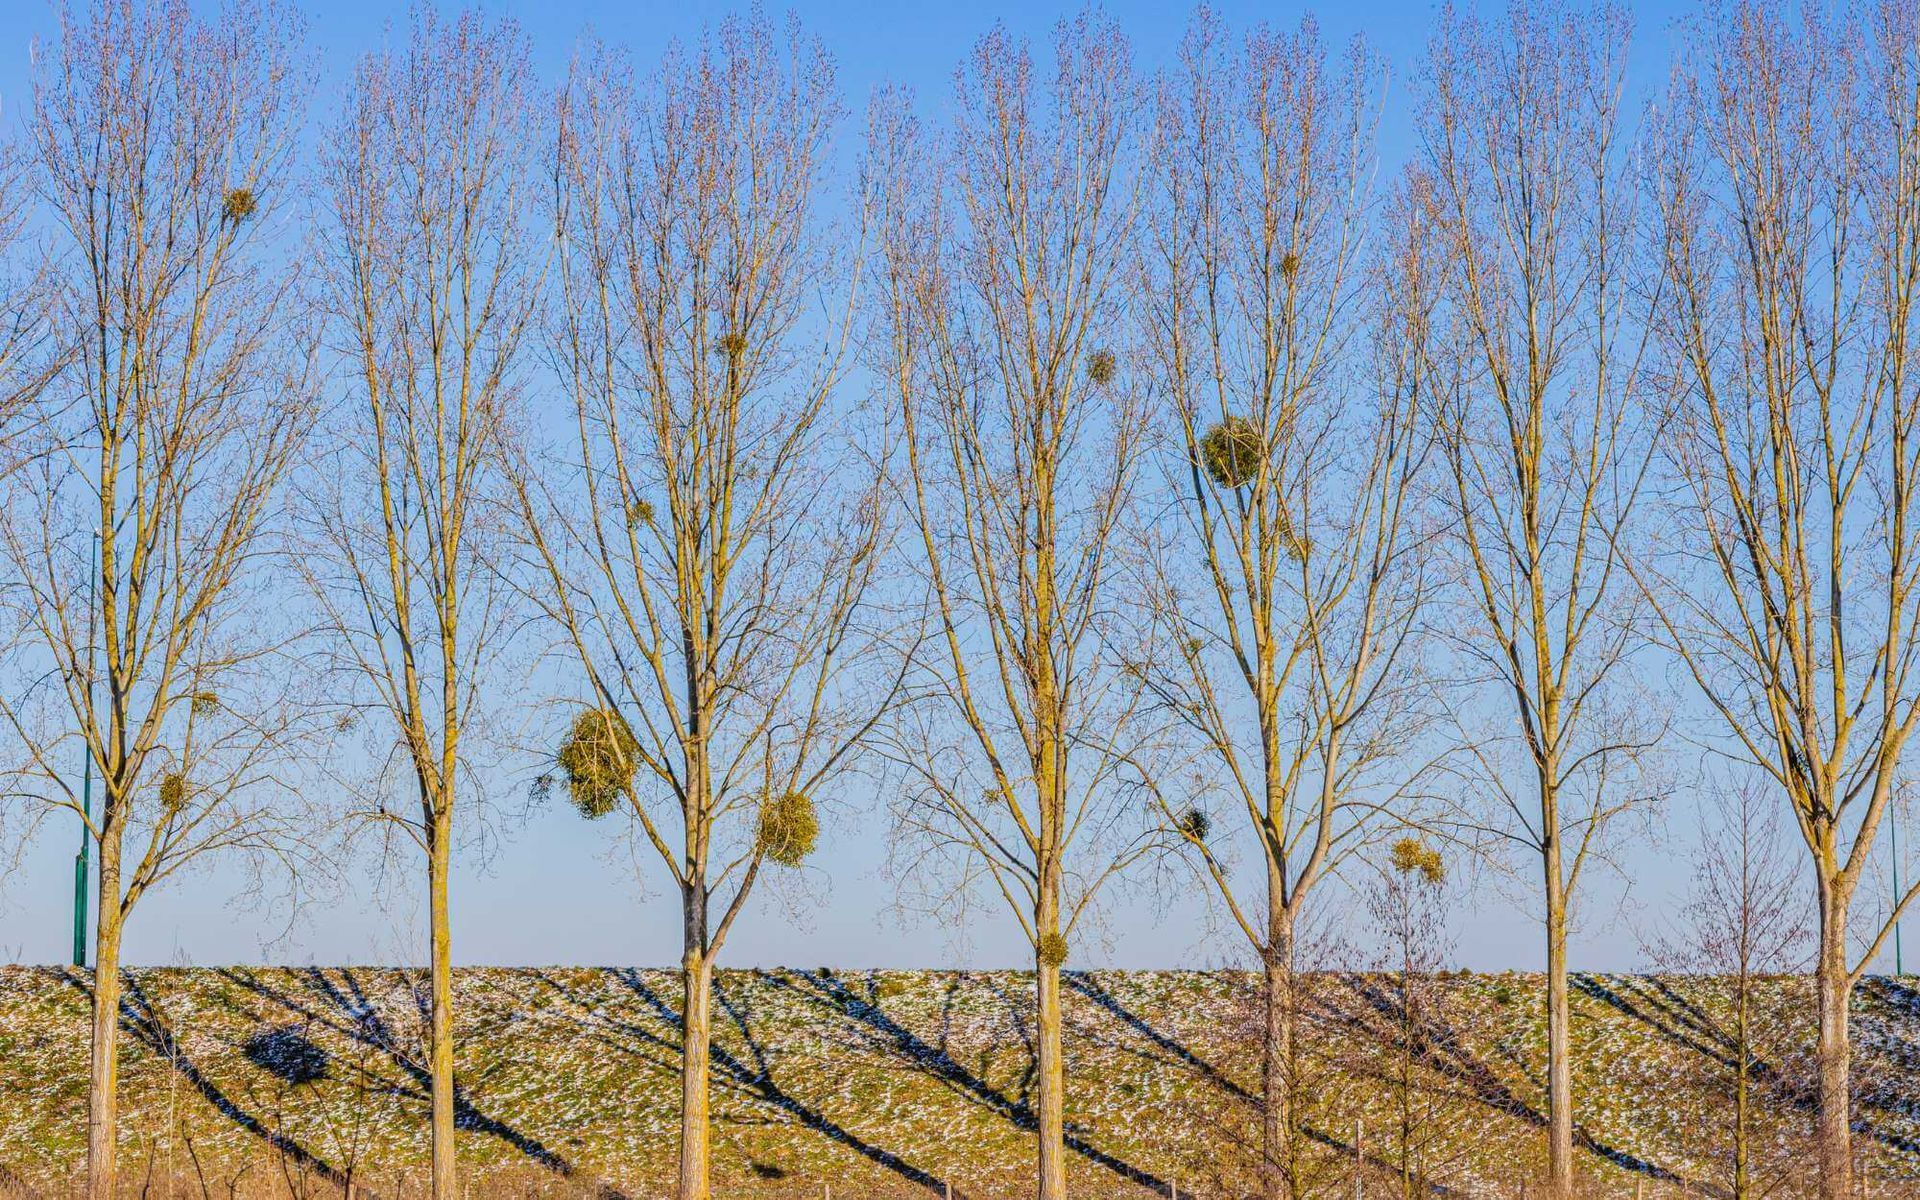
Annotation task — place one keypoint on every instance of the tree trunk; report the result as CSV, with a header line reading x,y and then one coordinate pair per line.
x,y
1830,979
696,1039
696,955
1052,1081
1409,1031
440,1041
1742,1101
103,1085
1559,1034
1279,1176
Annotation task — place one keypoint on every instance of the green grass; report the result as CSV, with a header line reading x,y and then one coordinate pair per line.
x,y
900,1082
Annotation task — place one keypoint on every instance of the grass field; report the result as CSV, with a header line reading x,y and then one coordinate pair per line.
x,y
303,1081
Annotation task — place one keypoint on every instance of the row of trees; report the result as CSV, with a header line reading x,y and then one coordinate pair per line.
x,y
1116,451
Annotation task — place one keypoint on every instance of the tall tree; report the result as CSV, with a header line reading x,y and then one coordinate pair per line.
x,y
706,537
1287,586
1790,213
434,256
139,529
1521,131
1005,248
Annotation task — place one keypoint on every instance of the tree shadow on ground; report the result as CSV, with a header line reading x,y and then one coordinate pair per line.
x,y
751,1078
343,1006
1899,1097
1654,1002
1438,1045
143,1020
873,1026
1183,1056
1442,1048
1089,987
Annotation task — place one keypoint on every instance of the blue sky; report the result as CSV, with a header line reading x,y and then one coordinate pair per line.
x,y
548,890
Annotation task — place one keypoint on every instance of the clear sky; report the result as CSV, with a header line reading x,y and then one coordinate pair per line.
x,y
546,890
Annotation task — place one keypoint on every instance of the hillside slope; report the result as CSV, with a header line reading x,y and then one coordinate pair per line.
x,y
898,1083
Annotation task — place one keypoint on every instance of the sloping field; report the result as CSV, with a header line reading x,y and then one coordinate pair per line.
x,y
244,1080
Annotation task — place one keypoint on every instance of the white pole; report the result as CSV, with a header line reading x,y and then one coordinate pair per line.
x,y
1359,1157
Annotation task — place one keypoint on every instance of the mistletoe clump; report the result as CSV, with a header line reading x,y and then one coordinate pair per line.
x,y
1052,949
599,759
1101,367
238,205
1232,451
1194,824
1411,856
788,828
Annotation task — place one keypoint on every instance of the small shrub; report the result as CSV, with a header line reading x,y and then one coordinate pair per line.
x,y
599,759
1232,452
789,828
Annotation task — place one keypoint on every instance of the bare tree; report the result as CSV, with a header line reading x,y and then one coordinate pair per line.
x,y
1004,256
140,525
1408,906
1286,589
1521,132
434,258
707,540
1742,921
1789,202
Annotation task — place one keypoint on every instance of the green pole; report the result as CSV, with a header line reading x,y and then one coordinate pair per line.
x,y
80,865
1894,827
86,787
